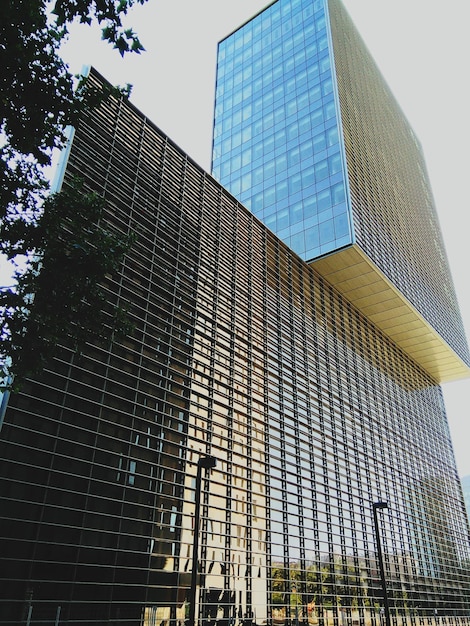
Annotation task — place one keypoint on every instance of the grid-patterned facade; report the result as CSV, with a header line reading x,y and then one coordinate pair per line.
x,y
242,351
309,137
395,221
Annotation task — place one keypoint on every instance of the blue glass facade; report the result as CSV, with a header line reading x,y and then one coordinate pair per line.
x,y
276,142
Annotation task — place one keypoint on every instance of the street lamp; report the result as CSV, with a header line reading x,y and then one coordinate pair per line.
x,y
375,507
204,462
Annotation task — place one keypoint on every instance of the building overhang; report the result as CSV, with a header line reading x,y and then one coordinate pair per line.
x,y
361,282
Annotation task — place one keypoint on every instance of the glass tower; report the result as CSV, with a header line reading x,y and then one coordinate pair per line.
x,y
309,137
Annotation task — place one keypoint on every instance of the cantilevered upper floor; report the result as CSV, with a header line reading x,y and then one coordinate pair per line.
x,y
396,271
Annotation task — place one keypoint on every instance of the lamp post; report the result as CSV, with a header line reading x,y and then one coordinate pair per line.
x,y
205,462
375,507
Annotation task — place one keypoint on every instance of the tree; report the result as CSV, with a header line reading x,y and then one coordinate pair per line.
x,y
38,100
61,296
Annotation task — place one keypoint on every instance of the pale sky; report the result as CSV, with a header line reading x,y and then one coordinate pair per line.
x,y
423,50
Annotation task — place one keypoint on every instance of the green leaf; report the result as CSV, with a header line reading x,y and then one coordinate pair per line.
x,y
122,45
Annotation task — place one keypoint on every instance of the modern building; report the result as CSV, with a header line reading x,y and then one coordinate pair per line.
x,y
309,137
243,352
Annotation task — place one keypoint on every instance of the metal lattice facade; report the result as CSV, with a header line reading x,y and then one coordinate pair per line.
x,y
242,351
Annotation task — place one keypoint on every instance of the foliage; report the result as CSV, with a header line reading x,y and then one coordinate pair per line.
x,y
61,297
37,103
38,100
108,12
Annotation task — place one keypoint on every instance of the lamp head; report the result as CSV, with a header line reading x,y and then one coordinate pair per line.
x,y
380,505
207,462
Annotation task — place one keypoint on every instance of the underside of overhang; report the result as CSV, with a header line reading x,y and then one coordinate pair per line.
x,y
354,275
